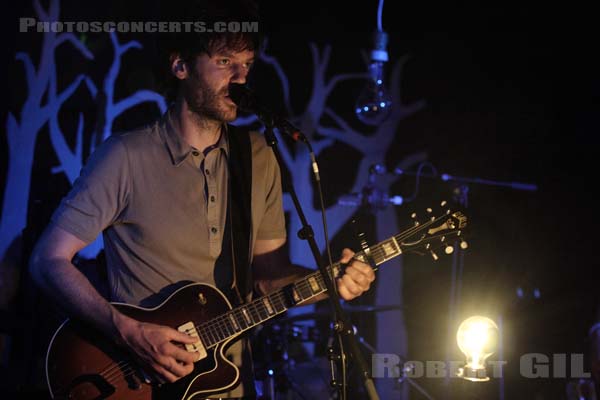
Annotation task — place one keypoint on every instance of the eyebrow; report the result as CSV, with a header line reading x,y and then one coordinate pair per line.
x,y
227,54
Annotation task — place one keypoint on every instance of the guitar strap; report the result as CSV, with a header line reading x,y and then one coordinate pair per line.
x,y
240,209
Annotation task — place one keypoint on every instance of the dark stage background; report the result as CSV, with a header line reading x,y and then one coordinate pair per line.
x,y
510,94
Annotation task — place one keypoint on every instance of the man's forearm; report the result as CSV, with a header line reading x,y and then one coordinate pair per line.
x,y
62,281
287,275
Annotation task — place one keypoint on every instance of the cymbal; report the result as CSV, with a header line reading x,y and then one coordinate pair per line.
x,y
352,309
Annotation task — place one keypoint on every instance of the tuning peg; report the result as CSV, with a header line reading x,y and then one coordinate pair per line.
x,y
449,249
414,216
433,255
463,244
429,211
443,203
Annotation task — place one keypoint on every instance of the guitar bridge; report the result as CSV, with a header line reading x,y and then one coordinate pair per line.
x,y
190,329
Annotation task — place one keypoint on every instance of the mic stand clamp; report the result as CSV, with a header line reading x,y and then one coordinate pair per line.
x,y
342,326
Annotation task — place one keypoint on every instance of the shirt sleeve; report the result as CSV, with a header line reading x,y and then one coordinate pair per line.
x,y
272,225
99,194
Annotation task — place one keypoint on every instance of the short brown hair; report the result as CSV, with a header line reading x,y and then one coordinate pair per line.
x,y
188,45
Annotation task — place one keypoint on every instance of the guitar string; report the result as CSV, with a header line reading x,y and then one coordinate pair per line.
x,y
221,326
254,312
125,369
222,323
117,370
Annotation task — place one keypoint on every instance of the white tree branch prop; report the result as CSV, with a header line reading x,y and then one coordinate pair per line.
x,y
113,110
69,37
28,65
22,133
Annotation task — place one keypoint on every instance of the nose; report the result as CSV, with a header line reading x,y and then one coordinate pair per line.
x,y
239,74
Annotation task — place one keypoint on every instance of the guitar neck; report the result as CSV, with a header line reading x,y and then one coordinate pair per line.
x,y
266,307
245,317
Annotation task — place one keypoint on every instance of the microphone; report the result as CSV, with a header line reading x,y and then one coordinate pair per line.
x,y
247,101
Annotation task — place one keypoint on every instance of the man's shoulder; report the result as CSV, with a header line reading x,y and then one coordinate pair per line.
x,y
258,142
132,144
143,136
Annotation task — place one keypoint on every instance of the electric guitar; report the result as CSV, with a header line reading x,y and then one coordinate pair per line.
x,y
82,364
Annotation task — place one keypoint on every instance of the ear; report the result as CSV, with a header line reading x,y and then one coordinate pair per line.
x,y
179,68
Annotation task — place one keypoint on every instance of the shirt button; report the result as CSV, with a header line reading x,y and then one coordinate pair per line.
x,y
212,199
195,153
213,229
207,172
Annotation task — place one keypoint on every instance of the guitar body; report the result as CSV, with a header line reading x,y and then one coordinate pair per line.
x,y
82,364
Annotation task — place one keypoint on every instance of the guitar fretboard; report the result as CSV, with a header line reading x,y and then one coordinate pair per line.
x,y
266,307
245,317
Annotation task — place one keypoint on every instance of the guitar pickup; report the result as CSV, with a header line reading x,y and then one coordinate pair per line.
x,y
190,329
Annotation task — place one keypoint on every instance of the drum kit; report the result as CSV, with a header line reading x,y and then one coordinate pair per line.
x,y
293,355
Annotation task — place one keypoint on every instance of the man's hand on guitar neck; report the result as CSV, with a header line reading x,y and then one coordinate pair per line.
x,y
272,270
157,346
357,277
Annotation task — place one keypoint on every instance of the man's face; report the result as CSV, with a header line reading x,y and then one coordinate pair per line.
x,y
207,86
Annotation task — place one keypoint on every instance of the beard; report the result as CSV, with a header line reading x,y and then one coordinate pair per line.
x,y
206,101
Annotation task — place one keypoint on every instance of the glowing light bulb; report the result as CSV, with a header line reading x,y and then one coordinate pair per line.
x,y
477,338
374,105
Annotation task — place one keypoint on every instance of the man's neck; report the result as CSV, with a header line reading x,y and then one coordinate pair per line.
x,y
195,130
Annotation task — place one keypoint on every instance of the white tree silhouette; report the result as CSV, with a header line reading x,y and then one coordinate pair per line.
x,y
22,134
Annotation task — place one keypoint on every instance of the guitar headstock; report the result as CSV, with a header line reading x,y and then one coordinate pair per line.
x,y
433,230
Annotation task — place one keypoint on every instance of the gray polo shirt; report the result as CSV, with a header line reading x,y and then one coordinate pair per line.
x,y
161,206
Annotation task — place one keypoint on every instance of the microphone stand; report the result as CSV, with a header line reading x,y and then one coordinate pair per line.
x,y
342,325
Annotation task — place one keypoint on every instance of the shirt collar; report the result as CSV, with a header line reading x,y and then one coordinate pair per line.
x,y
178,149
